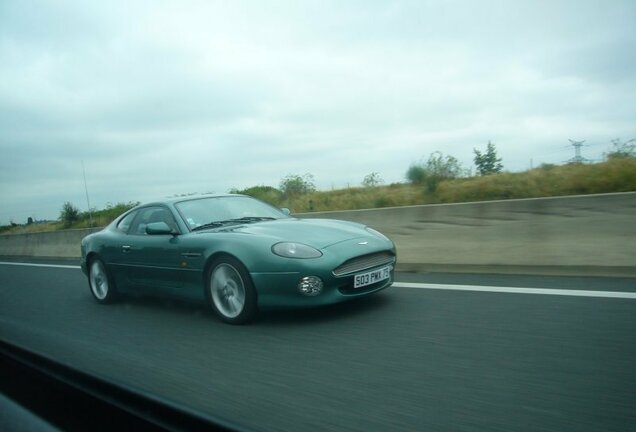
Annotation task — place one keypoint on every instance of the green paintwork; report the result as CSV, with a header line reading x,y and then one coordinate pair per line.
x,y
173,260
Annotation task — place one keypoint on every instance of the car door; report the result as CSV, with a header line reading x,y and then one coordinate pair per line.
x,y
153,260
112,251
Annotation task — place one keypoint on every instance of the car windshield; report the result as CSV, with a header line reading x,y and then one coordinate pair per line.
x,y
216,211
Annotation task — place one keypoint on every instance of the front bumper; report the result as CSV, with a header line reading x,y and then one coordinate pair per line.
x,y
280,289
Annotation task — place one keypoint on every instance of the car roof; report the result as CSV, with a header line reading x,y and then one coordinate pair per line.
x,y
178,199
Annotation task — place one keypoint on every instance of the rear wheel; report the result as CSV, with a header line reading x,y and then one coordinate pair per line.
x,y
229,291
101,284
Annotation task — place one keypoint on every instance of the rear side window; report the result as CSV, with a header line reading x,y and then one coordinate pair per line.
x,y
124,224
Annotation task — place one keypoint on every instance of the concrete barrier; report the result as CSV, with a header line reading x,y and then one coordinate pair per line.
x,y
591,234
54,244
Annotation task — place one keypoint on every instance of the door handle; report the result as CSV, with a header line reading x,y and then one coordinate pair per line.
x,y
125,248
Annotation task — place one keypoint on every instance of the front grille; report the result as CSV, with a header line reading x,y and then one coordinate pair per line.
x,y
364,262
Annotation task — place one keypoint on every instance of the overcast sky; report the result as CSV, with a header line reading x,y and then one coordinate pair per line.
x,y
166,97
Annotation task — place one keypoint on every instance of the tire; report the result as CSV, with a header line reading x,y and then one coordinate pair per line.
x,y
229,291
101,283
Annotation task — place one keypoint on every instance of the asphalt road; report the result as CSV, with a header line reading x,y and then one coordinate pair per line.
x,y
406,359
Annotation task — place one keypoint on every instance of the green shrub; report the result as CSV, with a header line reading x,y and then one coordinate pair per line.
x,y
268,194
69,214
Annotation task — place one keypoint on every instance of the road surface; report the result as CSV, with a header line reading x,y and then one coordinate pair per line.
x,y
436,352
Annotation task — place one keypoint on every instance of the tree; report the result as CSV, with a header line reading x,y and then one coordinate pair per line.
x,y
372,180
436,169
488,163
69,214
295,184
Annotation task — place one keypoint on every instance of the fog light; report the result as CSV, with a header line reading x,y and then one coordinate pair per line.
x,y
310,286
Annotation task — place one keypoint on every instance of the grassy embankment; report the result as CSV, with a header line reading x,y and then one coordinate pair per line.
x,y
99,218
616,175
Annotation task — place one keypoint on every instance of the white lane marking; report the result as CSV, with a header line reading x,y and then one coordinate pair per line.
x,y
479,288
39,265
512,290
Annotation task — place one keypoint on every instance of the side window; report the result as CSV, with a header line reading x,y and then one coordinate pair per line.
x,y
151,214
124,224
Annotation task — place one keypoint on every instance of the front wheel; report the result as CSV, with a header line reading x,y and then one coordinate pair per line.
x,y
101,284
229,291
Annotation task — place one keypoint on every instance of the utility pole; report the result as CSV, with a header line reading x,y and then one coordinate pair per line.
x,y
88,203
577,152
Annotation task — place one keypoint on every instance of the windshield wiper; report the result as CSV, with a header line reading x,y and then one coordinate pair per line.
x,y
217,224
214,224
251,219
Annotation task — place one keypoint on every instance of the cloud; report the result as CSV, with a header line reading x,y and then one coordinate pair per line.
x,y
198,96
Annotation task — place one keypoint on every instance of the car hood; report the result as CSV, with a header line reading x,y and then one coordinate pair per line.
x,y
318,233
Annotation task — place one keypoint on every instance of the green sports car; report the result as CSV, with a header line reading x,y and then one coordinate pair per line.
x,y
237,254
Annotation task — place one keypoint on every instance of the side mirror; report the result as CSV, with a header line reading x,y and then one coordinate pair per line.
x,y
286,211
159,228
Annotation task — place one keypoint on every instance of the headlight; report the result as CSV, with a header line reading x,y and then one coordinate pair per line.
x,y
377,233
295,250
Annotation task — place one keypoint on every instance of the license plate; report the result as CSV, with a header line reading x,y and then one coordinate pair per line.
x,y
371,277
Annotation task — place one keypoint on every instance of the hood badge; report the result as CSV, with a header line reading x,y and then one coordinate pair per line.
x,y
363,243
